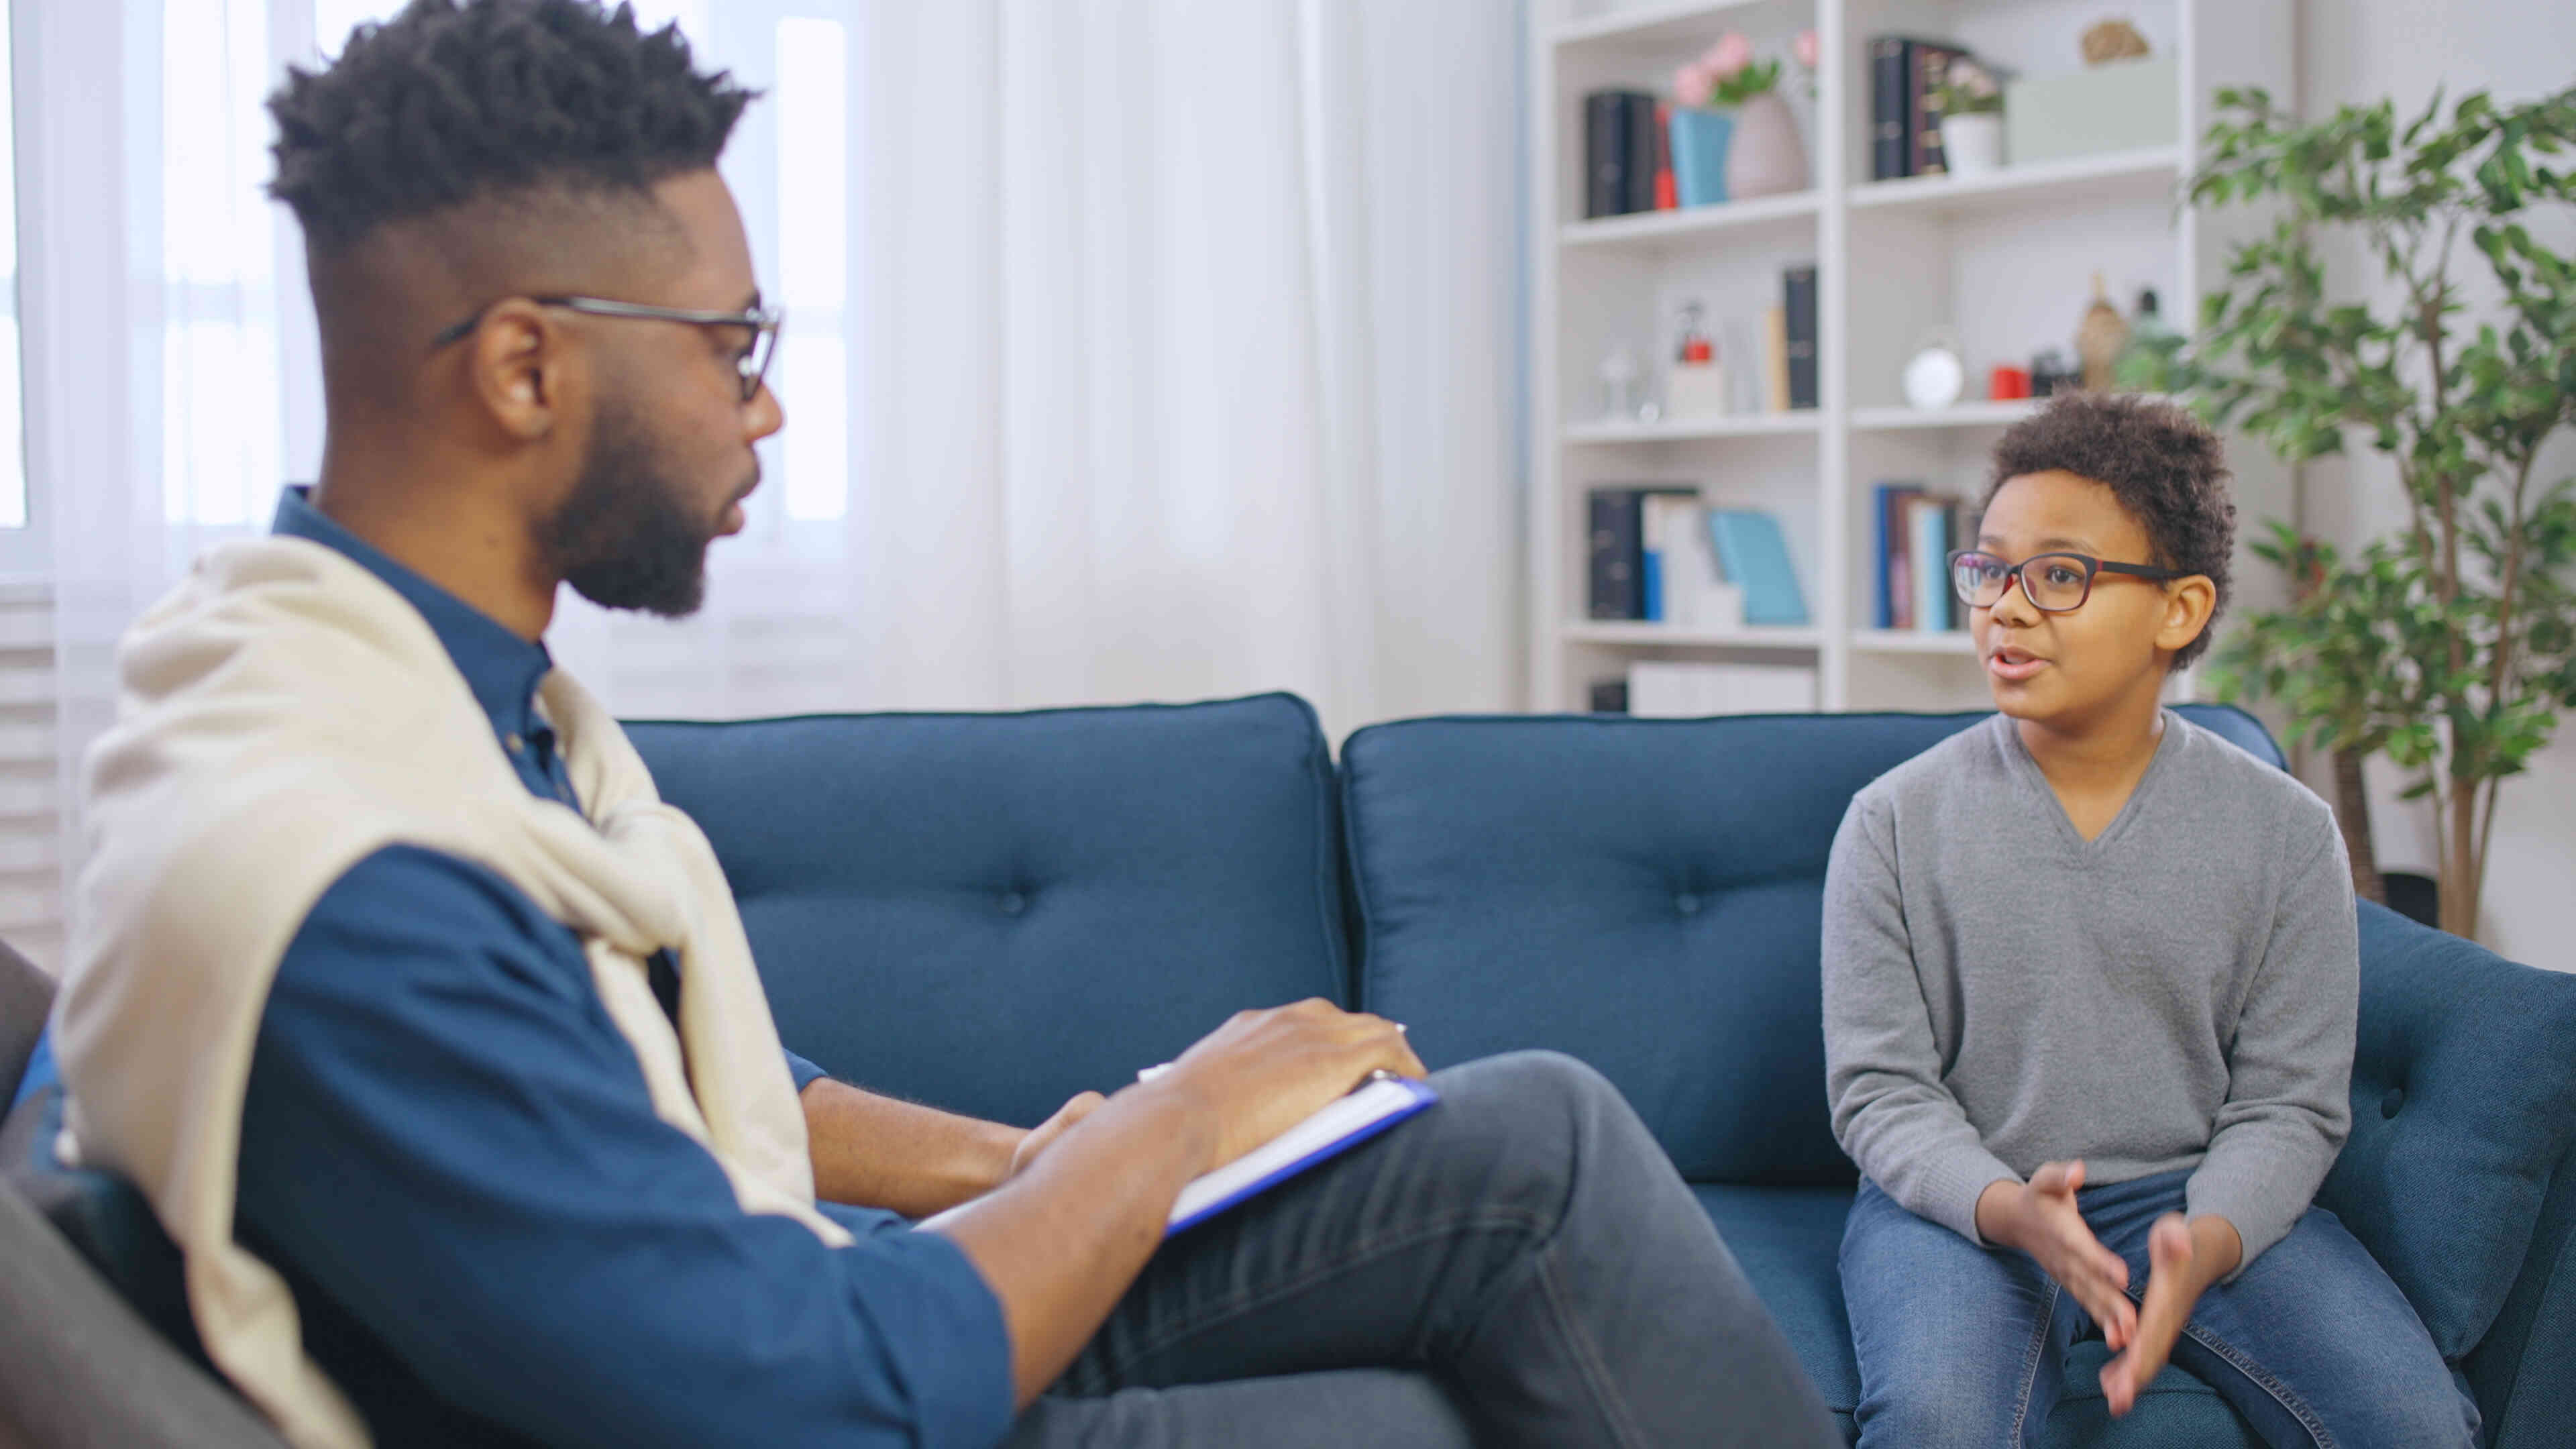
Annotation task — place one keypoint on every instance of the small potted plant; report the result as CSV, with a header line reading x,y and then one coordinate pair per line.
x,y
1972,119
1764,156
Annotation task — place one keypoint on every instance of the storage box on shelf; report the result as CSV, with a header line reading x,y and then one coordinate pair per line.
x,y
1999,265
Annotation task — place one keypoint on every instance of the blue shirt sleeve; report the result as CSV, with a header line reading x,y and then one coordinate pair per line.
x,y
805,1072
446,1134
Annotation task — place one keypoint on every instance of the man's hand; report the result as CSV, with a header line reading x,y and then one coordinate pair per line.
x,y
2040,1218
1052,1128
2183,1259
1090,1190
1263,1072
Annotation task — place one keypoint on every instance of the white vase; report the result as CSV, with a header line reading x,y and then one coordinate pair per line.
x,y
1972,145
1764,157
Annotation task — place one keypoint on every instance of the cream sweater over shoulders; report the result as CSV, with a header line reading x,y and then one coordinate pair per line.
x,y
282,715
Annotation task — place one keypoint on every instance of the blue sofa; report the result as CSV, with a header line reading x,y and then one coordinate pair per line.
x,y
993,912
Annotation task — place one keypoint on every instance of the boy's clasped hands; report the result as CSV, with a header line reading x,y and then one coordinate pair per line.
x,y
2185,1256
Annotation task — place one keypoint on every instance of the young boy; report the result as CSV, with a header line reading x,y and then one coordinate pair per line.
x,y
2090,983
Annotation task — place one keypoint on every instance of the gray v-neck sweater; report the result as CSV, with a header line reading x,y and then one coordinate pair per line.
x,y
2178,992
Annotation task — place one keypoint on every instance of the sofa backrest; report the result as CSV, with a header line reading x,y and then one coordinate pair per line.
x,y
1643,894
992,912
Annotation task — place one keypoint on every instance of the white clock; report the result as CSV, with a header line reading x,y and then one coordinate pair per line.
x,y
1934,376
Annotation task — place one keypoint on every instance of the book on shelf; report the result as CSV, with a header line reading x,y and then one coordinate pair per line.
x,y
1927,531
1775,359
1654,561
1617,572
1754,554
1914,535
1610,696
1905,76
1619,149
1698,140
1798,304
1660,689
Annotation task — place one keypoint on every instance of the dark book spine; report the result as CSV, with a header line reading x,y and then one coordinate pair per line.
x,y
1888,109
1605,139
1618,554
1929,64
1798,286
1610,696
1640,179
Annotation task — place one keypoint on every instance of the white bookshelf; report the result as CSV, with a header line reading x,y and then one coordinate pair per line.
x,y
2003,262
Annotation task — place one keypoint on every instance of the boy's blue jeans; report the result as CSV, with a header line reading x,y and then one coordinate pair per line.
x,y
2312,1345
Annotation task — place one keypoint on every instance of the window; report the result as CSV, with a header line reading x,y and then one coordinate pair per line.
x,y
230,368
13,450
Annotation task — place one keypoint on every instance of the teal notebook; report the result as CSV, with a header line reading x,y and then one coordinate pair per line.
x,y
1755,555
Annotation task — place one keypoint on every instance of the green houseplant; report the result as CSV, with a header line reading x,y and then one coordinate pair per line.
x,y
2450,646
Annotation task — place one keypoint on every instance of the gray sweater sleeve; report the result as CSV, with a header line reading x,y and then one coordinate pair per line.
x,y
2289,1103
1891,1111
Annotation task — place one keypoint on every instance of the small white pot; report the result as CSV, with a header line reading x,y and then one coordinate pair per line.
x,y
1974,144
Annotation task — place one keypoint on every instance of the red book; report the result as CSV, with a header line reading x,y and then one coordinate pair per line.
x,y
1668,196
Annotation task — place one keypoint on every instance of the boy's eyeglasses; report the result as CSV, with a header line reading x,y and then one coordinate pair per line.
x,y
752,366
2055,583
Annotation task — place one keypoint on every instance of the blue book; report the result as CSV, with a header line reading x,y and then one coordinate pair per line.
x,y
1376,1105
1699,140
1755,555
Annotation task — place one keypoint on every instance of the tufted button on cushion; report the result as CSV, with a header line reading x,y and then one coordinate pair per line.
x,y
1686,903
2391,1101
1013,903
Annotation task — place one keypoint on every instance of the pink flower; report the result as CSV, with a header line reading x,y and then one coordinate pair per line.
x,y
1731,54
1691,84
1804,47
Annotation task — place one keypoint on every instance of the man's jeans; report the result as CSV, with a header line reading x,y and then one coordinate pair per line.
x,y
2312,1345
1525,1245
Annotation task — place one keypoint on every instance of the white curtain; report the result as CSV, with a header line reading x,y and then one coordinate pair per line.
x,y
1137,349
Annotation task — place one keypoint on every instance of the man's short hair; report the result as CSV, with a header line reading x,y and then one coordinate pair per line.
x,y
454,101
2164,466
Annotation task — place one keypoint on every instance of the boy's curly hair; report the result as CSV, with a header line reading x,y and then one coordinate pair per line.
x,y
2165,466
456,100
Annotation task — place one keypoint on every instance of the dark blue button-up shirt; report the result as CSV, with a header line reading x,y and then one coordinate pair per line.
x,y
448,1150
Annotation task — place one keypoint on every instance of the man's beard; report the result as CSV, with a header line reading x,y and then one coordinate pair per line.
x,y
625,539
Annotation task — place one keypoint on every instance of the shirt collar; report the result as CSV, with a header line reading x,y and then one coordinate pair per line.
x,y
502,669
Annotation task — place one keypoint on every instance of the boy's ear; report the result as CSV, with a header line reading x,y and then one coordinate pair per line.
x,y
2188,605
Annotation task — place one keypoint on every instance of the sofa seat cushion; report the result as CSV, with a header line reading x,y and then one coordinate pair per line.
x,y
1646,895
990,913
1789,1240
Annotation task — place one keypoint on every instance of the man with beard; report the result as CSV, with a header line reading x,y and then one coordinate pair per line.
x,y
433,1036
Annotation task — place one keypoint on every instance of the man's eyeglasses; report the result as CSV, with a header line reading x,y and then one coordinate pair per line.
x,y
2055,583
752,366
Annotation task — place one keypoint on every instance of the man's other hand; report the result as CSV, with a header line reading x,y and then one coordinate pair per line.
x,y
1263,1072
1052,1128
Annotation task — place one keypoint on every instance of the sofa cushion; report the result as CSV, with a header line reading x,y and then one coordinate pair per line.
x,y
991,913
101,1215
2463,1105
1643,894
26,995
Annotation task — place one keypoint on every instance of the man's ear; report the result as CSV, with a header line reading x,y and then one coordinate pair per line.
x,y
524,369
2188,605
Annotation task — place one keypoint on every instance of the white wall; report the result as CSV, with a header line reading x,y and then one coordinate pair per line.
x,y
2358,51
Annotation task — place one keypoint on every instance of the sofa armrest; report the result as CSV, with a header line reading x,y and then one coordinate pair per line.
x,y
2524,1374
2464,1115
